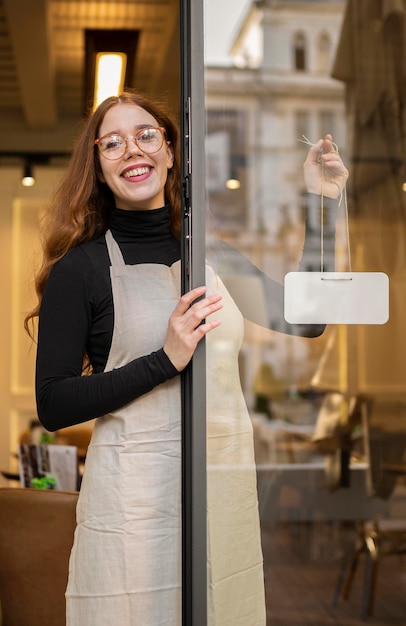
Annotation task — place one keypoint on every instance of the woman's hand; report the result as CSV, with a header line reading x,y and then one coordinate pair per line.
x,y
324,172
186,327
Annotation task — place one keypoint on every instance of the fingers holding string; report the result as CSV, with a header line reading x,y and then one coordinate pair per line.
x,y
324,170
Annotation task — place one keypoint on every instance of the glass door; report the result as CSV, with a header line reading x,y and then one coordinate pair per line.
x,y
306,424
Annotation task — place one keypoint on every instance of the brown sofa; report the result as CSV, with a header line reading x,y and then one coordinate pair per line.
x,y
36,536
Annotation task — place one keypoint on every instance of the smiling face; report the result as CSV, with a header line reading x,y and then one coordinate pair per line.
x,y
137,179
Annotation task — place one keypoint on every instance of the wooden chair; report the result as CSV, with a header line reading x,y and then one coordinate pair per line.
x,y
375,538
36,536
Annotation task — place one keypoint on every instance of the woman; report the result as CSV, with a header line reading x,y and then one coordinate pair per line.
x,y
109,293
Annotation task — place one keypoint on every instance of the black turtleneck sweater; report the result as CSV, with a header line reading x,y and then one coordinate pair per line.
x,y
77,318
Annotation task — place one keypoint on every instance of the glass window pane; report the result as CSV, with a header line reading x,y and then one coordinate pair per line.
x,y
323,410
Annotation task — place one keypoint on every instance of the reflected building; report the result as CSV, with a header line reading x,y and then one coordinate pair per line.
x,y
261,112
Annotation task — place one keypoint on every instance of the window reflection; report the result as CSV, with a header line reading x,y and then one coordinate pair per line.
x,y
328,414
226,146
299,52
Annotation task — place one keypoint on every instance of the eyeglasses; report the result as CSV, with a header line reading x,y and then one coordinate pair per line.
x,y
148,140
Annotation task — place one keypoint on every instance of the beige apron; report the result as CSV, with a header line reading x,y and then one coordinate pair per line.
x,y
236,594
126,559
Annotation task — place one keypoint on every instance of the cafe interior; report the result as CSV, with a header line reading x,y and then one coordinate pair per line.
x,y
328,413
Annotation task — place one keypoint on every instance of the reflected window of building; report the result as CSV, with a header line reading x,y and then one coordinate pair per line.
x,y
226,169
299,52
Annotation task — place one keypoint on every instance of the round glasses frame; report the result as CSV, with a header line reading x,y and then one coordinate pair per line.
x,y
135,139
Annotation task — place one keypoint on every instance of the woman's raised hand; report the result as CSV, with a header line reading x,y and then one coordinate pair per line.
x,y
186,326
324,172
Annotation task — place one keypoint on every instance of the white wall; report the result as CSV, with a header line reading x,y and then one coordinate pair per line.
x,y
19,254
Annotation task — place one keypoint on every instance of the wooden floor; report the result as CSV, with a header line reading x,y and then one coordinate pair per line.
x,y
302,565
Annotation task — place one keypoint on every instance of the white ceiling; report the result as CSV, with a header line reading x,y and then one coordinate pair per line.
x,y
42,62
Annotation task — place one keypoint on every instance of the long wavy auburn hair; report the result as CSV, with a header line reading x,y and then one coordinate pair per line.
x,y
80,208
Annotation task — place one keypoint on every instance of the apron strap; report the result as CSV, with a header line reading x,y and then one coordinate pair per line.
x,y
116,258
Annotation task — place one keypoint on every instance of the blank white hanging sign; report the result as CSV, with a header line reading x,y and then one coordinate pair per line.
x,y
336,298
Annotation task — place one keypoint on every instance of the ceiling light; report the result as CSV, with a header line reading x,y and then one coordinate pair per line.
x,y
109,63
233,183
28,179
236,167
109,76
